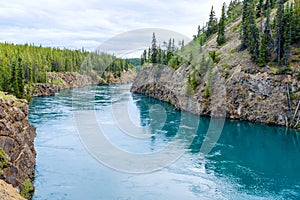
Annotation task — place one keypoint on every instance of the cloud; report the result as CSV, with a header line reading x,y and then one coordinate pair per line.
x,y
88,23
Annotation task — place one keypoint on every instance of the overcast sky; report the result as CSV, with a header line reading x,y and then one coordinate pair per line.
x,y
88,23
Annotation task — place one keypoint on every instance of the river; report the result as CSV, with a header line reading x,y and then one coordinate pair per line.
x,y
249,161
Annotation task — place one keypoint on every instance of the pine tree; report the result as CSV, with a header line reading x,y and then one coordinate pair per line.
x,y
149,55
221,30
259,8
296,23
279,32
262,58
144,57
253,32
20,79
14,87
154,50
245,24
212,23
287,34
266,44
169,51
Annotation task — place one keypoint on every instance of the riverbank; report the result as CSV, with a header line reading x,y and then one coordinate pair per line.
x,y
228,84
68,80
17,153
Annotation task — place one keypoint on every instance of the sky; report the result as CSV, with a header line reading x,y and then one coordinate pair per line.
x,y
90,23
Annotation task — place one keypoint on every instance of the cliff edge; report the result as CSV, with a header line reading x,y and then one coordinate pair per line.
x,y
17,153
228,85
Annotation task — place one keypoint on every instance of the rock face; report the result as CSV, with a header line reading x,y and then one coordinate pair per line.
x,y
231,86
17,141
59,81
258,97
8,192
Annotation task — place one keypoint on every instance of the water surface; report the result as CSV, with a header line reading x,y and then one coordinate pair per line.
x,y
249,161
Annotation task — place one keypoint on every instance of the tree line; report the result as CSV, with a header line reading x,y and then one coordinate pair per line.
x,y
271,40
162,55
269,30
28,64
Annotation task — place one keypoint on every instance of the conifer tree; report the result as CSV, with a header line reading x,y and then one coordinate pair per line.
x,y
221,29
154,50
245,24
287,34
253,32
212,23
144,57
279,32
296,23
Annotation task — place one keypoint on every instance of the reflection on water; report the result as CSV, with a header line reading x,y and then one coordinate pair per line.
x,y
249,161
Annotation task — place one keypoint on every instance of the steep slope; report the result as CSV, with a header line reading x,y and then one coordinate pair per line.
x,y
17,153
233,87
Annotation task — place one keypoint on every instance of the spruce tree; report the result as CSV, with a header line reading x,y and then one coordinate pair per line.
x,y
253,38
154,50
149,55
212,23
245,24
20,79
266,45
296,23
144,57
287,34
221,29
279,32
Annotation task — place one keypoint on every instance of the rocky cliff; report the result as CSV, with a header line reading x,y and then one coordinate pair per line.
x,y
253,97
230,86
17,153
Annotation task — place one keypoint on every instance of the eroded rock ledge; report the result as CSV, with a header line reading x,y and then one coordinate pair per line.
x,y
17,142
259,97
59,81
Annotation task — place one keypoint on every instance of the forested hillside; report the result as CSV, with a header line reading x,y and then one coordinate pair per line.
x,y
269,30
28,64
250,55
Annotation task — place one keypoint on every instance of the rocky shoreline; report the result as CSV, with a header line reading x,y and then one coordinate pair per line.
x,y
259,97
17,153
68,80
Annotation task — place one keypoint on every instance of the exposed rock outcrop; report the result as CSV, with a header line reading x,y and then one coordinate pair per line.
x,y
17,141
259,97
233,86
8,192
59,81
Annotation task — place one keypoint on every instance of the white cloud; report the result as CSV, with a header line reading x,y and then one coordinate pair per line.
x,y
88,23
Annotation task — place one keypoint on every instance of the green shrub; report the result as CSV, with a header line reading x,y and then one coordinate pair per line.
x,y
214,56
227,73
298,75
207,92
27,189
3,159
283,70
233,51
57,82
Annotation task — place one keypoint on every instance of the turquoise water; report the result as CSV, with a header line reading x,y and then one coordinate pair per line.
x,y
249,161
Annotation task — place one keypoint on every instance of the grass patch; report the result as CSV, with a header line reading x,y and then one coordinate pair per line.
x,y
233,51
284,70
12,98
57,82
236,27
